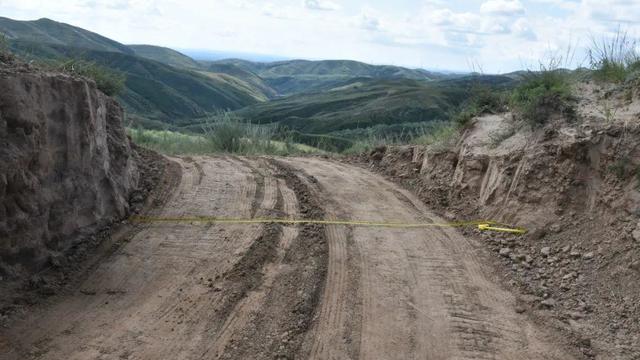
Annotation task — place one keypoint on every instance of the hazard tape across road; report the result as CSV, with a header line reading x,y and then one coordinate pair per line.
x,y
482,225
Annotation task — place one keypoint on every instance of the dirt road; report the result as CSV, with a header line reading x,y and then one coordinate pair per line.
x,y
194,291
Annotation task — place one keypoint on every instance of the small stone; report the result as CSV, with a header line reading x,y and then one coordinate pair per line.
x,y
588,256
537,234
570,275
575,315
505,252
548,303
574,254
555,228
636,234
545,251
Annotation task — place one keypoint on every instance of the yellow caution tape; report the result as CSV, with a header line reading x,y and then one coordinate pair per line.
x,y
482,225
502,229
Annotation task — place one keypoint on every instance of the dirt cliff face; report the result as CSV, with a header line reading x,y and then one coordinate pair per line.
x,y
66,166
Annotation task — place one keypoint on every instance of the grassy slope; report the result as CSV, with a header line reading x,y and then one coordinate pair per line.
x,y
295,76
52,32
165,56
359,104
362,103
244,74
155,90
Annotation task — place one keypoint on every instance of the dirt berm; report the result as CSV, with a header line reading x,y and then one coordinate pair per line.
x,y
67,169
574,186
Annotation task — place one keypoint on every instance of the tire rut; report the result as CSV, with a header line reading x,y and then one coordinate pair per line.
x,y
279,328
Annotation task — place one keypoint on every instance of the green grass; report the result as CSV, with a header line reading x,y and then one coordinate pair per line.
x,y
5,53
443,136
224,135
543,93
165,55
366,144
109,81
614,59
169,142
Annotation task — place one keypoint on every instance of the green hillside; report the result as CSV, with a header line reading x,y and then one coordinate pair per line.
x,y
241,73
341,98
165,56
154,91
365,103
52,32
295,76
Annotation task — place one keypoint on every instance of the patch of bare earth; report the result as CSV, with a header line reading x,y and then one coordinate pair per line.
x,y
212,290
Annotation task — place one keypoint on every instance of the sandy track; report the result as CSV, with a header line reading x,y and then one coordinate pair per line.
x,y
193,291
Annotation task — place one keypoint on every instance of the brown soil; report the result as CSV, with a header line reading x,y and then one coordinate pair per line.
x,y
193,290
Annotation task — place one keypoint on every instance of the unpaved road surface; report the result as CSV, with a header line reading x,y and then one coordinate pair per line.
x,y
181,290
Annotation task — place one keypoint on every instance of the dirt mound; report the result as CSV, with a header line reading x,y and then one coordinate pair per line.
x,y
66,167
576,187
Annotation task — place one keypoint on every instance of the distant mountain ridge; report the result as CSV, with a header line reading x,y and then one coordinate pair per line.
x,y
52,32
294,76
162,85
166,88
164,55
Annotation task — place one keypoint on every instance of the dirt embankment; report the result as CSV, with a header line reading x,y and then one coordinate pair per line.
x,y
575,186
67,169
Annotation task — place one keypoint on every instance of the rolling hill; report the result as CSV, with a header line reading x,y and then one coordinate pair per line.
x,y
295,76
165,56
52,32
363,103
338,97
172,91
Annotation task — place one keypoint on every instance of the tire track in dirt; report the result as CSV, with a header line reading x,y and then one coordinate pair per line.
x,y
424,294
152,298
263,291
279,327
271,199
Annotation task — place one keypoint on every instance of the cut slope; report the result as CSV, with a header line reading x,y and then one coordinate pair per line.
x,y
575,185
66,167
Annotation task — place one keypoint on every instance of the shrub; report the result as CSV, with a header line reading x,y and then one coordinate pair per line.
x,y
169,142
368,143
482,100
614,58
5,53
487,100
440,137
228,133
108,81
543,93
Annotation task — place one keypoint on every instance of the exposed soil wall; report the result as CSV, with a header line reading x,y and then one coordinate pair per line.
x,y
66,166
576,188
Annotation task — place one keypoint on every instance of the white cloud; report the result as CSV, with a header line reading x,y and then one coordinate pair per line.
x,y
500,34
369,22
502,7
522,29
324,5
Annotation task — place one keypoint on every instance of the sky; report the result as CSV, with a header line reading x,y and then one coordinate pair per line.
x,y
492,36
